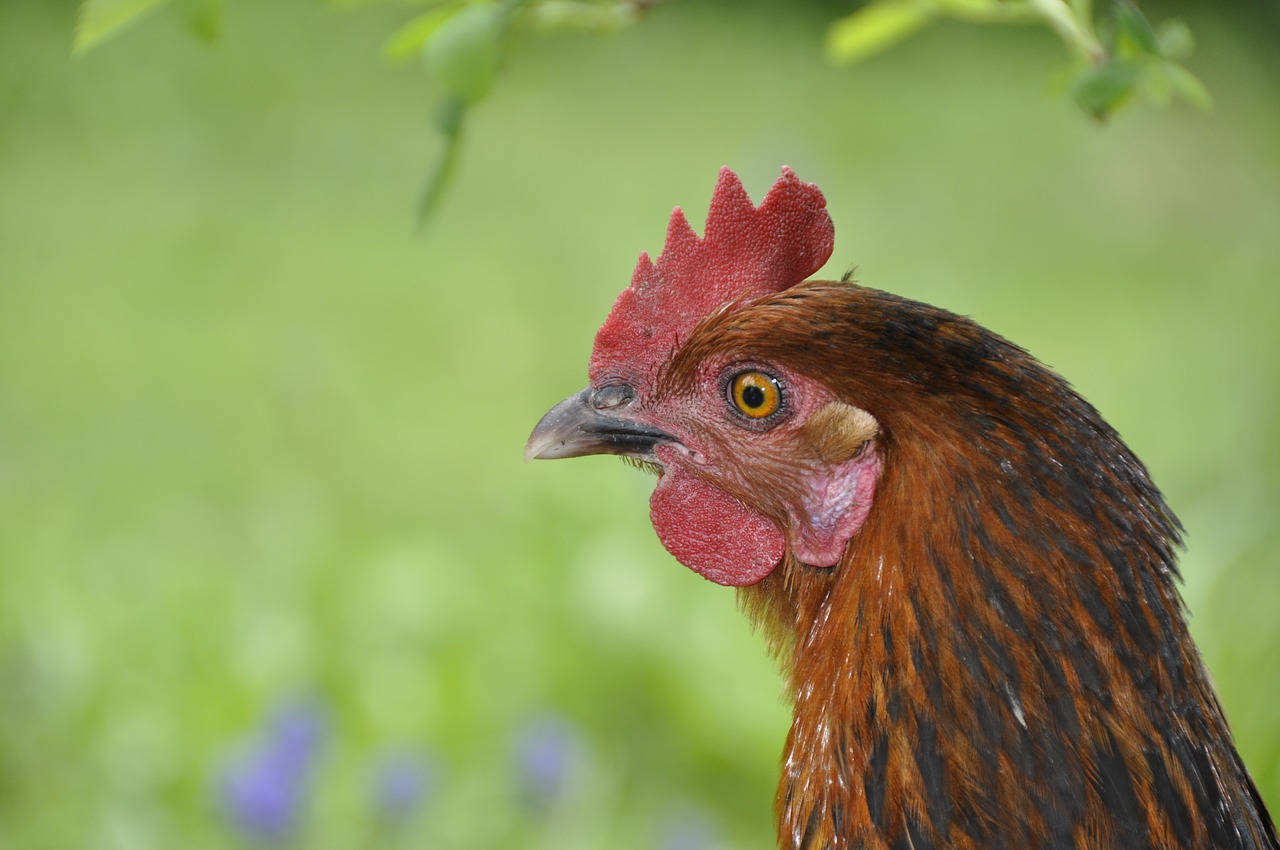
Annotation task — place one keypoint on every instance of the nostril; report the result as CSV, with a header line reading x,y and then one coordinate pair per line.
x,y
616,395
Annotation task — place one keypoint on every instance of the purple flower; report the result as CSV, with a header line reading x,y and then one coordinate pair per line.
x,y
263,789
545,751
296,733
261,799
402,784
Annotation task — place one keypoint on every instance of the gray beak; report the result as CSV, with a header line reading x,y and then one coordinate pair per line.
x,y
591,423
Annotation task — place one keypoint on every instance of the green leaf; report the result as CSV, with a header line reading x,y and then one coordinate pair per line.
x,y
592,17
1188,85
463,51
978,8
1102,88
1134,26
204,18
1175,39
410,38
987,11
876,27
101,18
1156,84
449,118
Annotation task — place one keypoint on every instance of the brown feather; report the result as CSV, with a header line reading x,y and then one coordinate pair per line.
x,y
1001,658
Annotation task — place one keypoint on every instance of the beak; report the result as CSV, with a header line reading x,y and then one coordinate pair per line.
x,y
591,423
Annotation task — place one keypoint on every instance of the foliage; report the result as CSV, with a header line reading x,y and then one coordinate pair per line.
x,y
100,19
465,43
1114,60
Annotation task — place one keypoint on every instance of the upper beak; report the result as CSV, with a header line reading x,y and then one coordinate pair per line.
x,y
591,423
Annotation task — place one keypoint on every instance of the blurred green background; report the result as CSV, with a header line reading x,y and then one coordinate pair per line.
x,y
260,442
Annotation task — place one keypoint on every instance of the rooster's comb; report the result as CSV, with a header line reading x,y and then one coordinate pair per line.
x,y
746,252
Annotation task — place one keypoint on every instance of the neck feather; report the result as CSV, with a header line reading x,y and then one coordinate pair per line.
x,y
1001,658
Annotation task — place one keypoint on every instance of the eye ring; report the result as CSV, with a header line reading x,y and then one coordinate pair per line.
x,y
754,394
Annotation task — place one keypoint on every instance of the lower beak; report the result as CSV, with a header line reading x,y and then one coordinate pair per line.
x,y
577,427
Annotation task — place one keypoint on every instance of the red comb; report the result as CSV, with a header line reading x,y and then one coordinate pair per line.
x,y
745,252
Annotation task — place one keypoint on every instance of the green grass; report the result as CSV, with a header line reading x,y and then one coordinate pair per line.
x,y
259,439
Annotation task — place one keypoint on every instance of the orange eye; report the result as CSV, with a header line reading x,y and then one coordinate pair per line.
x,y
755,394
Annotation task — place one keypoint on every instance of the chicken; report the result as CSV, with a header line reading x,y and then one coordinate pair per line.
x,y
967,576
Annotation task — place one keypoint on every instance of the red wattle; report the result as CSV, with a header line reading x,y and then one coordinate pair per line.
x,y
711,532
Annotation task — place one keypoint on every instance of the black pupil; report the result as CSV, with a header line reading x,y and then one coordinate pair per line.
x,y
752,396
